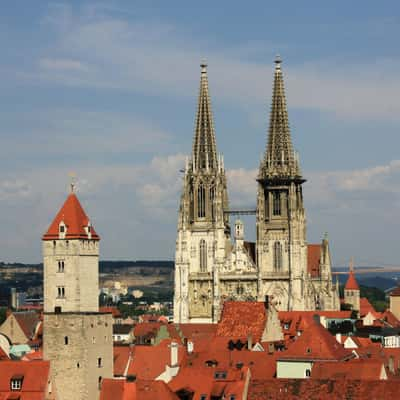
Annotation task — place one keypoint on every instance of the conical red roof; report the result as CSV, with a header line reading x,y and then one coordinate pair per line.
x,y
75,219
351,283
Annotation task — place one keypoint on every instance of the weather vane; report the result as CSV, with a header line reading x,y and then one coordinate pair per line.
x,y
72,178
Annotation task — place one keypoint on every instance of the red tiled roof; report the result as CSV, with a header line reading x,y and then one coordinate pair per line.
x,y
35,377
113,310
313,259
366,307
74,217
262,365
389,317
202,380
351,283
146,329
395,292
242,318
316,343
120,389
191,331
363,369
122,356
314,389
150,361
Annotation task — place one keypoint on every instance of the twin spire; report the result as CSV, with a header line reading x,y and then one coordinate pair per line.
x,y
280,160
204,144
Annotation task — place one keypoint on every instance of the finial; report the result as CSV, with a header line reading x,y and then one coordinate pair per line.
x,y
278,61
72,177
203,65
351,264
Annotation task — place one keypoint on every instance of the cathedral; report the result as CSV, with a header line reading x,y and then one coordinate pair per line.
x,y
211,264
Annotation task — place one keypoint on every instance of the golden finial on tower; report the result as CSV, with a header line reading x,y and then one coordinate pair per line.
x,y
72,178
351,264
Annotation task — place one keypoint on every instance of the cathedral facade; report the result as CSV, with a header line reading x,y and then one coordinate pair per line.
x,y
211,264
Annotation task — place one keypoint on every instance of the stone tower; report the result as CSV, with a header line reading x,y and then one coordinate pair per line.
x,y
203,227
280,215
352,290
77,338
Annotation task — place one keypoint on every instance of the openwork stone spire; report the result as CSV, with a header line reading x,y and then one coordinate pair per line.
x,y
204,144
280,158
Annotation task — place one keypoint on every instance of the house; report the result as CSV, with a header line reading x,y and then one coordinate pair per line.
x,y
314,344
361,369
247,320
204,383
132,389
326,389
159,362
26,380
22,327
122,333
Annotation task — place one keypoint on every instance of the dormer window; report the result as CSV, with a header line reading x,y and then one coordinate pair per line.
x,y
16,382
62,230
220,375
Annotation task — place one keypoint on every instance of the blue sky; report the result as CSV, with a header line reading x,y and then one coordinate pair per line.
x,y
108,90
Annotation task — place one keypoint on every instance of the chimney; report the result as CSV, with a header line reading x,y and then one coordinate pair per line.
x,y
266,303
174,354
271,348
190,347
249,341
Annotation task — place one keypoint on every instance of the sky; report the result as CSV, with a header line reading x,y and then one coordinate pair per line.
x,y
107,90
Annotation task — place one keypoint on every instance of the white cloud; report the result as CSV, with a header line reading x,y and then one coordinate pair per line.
x,y
152,57
62,64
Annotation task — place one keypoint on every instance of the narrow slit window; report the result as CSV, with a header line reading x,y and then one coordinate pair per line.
x,y
203,256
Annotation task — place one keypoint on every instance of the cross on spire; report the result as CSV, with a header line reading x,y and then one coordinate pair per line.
x,y
204,143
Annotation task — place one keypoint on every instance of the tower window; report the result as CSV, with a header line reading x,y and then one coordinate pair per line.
x,y
61,291
60,266
99,362
203,256
65,340
201,201
277,256
276,203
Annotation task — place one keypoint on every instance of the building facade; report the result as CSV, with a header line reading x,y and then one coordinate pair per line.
x,y
77,339
211,266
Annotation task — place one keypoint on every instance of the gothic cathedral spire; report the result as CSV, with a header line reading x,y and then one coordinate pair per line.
x,y
204,143
280,159
203,224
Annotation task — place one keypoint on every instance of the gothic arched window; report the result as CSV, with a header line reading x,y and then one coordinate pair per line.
x,y
276,210
212,199
203,256
201,201
277,256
